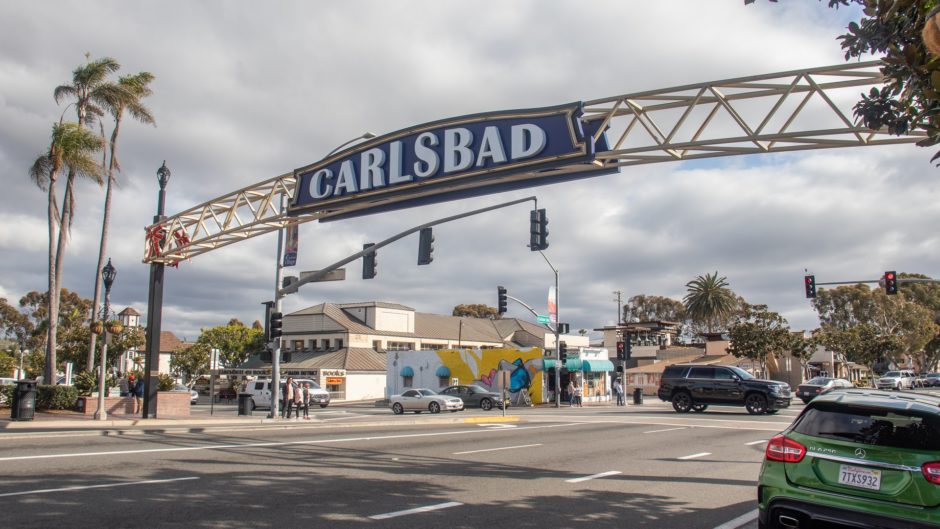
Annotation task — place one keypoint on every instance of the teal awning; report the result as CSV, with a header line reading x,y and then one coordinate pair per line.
x,y
597,366
573,364
407,371
442,372
548,363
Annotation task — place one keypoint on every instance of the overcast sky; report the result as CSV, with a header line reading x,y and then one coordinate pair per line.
x,y
246,91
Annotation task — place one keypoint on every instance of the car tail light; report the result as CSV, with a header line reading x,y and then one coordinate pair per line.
x,y
931,471
781,448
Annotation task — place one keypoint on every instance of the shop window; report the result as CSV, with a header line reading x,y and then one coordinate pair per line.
x,y
339,343
443,382
407,381
401,346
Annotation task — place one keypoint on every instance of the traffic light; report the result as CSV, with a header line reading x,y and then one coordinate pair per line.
x,y
425,247
810,282
563,328
274,326
368,262
628,349
543,230
538,230
501,292
621,351
891,283
562,351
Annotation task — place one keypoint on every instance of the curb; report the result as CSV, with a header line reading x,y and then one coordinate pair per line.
x,y
139,426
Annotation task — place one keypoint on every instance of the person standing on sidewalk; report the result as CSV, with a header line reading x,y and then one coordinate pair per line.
x,y
138,394
287,397
618,389
298,400
305,400
578,394
570,391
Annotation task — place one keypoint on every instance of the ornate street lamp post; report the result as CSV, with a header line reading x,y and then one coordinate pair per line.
x,y
155,309
107,275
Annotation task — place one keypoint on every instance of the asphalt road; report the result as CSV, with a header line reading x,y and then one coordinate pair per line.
x,y
643,467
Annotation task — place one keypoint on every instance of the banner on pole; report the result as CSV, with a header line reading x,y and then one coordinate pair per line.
x,y
293,240
552,305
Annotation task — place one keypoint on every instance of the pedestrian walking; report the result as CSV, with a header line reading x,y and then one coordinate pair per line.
x,y
138,393
570,391
305,401
578,394
298,400
618,389
287,397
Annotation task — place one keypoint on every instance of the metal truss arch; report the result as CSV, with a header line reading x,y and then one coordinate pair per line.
x,y
780,112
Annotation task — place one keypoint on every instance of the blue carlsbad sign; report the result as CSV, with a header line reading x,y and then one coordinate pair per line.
x,y
449,159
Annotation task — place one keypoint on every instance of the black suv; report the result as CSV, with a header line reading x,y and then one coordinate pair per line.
x,y
692,387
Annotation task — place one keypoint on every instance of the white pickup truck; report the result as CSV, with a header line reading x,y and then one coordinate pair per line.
x,y
261,393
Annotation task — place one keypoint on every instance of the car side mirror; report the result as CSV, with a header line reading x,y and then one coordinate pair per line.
x,y
736,378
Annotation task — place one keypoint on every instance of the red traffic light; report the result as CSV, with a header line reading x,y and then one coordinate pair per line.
x,y
889,276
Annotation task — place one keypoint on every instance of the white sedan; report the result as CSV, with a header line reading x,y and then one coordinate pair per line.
x,y
418,400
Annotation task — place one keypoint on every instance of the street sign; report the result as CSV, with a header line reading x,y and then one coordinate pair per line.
x,y
542,319
333,275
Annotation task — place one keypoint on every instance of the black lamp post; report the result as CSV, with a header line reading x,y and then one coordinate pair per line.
x,y
155,309
107,275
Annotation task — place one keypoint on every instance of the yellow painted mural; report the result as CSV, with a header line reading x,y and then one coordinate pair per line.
x,y
480,366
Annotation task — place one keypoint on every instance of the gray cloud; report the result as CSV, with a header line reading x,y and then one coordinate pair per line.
x,y
246,92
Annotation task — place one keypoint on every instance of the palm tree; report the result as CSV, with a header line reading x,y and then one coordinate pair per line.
x,y
709,299
73,147
138,87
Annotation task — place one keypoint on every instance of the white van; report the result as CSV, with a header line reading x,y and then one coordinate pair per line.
x,y
261,393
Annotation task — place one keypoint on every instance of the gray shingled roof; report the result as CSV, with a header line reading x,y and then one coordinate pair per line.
x,y
350,359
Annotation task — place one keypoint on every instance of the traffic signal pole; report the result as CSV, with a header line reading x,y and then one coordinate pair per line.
x,y
278,294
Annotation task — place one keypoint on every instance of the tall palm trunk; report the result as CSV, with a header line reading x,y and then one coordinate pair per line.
x,y
52,303
103,246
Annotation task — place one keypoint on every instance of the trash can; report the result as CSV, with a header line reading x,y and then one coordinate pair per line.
x,y
24,401
638,396
244,403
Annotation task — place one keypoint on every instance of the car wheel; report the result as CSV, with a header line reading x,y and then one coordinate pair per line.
x,y
755,403
699,407
434,407
682,402
898,387
486,404
397,408
324,405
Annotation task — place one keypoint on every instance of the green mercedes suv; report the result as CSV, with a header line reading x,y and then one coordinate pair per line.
x,y
855,459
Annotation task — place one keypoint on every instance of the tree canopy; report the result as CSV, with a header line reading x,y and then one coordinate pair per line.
x,y
476,310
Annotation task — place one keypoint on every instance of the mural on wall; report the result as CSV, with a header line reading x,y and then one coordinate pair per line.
x,y
472,366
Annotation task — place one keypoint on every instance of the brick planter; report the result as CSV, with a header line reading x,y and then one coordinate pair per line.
x,y
169,404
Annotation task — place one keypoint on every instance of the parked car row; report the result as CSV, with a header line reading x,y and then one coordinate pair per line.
x,y
452,398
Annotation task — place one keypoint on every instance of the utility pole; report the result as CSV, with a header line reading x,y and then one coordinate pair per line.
x,y
619,304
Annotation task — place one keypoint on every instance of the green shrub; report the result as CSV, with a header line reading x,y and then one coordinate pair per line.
x,y
166,383
6,395
56,397
86,382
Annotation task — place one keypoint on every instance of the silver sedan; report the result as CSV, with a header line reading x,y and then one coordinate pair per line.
x,y
418,400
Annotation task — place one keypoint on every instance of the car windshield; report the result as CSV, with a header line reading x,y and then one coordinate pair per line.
x,y
426,392
819,381
742,373
892,374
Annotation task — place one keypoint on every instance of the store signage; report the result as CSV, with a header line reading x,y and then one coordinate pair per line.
x,y
449,159
334,381
334,372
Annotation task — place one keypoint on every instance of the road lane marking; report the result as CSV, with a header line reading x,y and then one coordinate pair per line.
x,y
762,441
666,430
739,521
693,456
86,487
594,476
495,425
272,444
415,510
494,449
